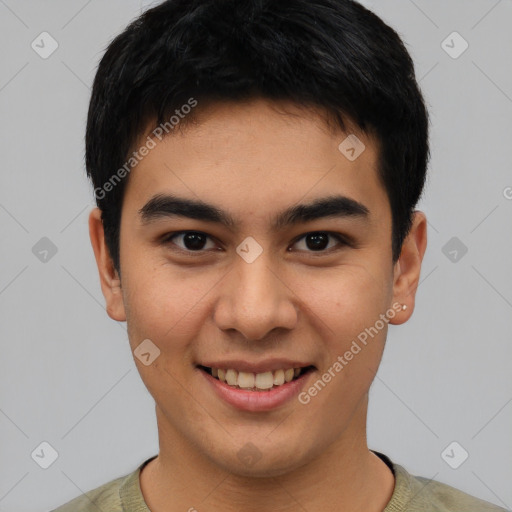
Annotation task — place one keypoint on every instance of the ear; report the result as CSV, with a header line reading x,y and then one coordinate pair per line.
x,y
109,278
407,268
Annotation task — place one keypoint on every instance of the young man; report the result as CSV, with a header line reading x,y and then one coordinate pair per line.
x,y
256,165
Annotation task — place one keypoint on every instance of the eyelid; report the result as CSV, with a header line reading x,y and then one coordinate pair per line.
x,y
343,240
166,240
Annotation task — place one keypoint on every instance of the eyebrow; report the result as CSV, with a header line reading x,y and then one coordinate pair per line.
x,y
167,206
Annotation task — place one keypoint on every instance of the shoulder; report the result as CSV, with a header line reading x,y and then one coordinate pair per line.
x,y
106,497
423,494
444,497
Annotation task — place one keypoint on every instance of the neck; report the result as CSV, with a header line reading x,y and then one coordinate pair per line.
x,y
346,474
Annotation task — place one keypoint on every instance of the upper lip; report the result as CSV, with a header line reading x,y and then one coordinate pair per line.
x,y
268,365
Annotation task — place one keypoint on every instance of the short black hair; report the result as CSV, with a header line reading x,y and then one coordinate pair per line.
x,y
334,55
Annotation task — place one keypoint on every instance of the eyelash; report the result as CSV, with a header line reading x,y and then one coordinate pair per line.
x,y
342,240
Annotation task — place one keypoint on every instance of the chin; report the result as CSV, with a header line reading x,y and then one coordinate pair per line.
x,y
261,463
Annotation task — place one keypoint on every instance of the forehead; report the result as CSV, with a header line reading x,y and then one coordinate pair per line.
x,y
256,156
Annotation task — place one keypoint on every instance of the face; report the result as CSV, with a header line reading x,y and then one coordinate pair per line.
x,y
258,276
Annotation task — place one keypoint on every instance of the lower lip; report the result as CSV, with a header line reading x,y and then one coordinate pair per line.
x,y
257,401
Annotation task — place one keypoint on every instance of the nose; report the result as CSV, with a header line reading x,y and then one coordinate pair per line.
x,y
254,300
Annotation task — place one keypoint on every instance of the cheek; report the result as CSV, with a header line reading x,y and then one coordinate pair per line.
x,y
347,297
346,310
168,304
164,306
167,311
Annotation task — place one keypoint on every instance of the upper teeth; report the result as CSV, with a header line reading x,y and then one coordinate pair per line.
x,y
246,380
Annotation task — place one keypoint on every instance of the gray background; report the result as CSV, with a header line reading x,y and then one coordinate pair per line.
x,y
67,374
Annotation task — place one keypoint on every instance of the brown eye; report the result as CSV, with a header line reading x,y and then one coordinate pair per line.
x,y
188,240
318,241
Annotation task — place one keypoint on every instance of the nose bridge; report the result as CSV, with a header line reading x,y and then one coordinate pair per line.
x,y
257,284
254,300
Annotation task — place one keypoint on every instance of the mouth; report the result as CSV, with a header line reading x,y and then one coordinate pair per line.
x,y
249,381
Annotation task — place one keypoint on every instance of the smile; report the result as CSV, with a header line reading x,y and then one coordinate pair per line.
x,y
248,381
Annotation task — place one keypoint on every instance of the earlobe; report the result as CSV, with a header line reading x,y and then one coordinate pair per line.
x,y
109,278
408,268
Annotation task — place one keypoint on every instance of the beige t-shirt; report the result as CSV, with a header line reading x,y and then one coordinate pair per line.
x,y
411,494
